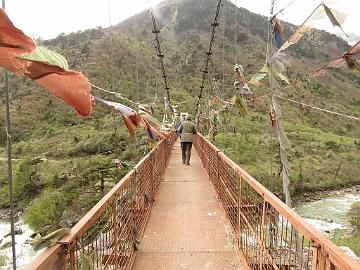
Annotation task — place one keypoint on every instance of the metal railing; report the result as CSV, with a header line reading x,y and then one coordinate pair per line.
x,y
109,234
269,234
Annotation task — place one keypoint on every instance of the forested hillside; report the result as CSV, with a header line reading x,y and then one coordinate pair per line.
x,y
60,157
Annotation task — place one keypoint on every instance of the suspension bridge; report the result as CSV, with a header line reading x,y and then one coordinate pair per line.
x,y
213,215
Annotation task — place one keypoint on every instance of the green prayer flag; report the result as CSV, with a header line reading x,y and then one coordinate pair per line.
x,y
44,55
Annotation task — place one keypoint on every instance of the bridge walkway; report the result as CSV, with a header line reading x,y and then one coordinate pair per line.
x,y
187,228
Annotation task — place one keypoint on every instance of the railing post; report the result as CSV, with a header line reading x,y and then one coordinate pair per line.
x,y
262,229
152,176
72,258
314,259
217,183
319,259
239,213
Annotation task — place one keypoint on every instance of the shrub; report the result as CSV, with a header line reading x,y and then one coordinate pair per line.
x,y
354,214
331,145
3,259
25,183
46,210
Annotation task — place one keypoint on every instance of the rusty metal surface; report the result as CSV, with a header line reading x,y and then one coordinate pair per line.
x,y
187,228
108,235
269,234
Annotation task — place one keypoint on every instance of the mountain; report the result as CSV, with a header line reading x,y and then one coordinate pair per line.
x,y
59,155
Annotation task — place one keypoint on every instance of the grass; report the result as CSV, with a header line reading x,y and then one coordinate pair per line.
x,y
3,259
352,241
320,160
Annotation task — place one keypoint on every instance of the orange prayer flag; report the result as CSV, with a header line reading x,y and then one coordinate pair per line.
x,y
70,86
12,40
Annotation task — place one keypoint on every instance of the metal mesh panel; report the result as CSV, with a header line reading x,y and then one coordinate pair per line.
x,y
111,239
270,235
108,236
228,190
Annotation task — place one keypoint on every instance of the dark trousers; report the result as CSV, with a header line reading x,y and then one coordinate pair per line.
x,y
186,152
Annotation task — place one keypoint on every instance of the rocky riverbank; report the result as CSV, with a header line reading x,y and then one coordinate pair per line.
x,y
318,195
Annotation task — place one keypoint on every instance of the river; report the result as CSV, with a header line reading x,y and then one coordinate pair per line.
x,y
24,252
330,213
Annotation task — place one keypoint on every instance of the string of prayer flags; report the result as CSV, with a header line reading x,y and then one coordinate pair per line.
x,y
337,18
299,33
216,89
240,104
20,54
152,120
278,31
44,55
239,76
275,115
122,165
131,118
272,117
169,109
146,108
281,76
259,76
70,86
349,57
245,90
151,132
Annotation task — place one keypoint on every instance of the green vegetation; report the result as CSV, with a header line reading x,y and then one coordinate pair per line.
x,y
320,160
3,259
353,240
354,214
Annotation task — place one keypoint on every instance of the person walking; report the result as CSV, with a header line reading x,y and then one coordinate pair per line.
x,y
187,129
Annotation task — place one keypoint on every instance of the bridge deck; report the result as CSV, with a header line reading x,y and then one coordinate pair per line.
x,y
187,228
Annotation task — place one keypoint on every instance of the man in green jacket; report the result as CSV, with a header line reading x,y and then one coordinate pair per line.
x,y
187,130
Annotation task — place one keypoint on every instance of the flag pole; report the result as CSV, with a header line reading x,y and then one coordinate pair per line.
x,y
9,163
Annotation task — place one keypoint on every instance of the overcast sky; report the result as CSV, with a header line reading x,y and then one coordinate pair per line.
x,y
47,19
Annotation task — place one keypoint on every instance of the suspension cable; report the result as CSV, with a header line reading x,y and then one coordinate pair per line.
x,y
205,71
112,67
137,64
9,163
235,33
156,32
223,50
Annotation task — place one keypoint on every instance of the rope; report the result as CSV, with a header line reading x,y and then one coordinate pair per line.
x,y
9,164
282,9
319,109
114,93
